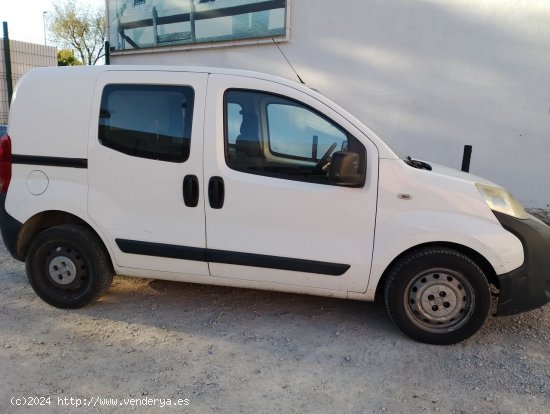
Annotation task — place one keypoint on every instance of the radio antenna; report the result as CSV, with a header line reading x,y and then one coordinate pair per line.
x,y
290,64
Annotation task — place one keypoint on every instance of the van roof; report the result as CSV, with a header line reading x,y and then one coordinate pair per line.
x,y
94,71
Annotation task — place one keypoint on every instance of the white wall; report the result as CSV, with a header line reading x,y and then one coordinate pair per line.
x,y
427,76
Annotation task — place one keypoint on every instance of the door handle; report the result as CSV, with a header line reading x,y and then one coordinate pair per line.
x,y
216,192
191,190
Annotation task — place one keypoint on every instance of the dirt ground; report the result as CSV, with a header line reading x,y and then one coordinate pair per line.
x,y
243,351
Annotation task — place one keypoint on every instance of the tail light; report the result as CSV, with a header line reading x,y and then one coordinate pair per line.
x,y
5,163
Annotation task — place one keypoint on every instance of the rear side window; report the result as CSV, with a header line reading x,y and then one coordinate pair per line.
x,y
147,121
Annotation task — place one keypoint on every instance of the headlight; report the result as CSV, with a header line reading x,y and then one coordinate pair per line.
x,y
502,201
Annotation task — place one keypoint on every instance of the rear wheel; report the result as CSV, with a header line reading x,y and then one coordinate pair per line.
x,y
68,266
437,296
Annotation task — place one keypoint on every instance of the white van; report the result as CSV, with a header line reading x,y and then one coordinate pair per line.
x,y
244,179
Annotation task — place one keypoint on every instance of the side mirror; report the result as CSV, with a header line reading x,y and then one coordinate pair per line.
x,y
344,169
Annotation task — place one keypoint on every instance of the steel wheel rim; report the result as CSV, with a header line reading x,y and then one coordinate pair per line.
x,y
439,300
65,268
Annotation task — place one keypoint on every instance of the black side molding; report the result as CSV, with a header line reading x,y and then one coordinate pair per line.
x,y
161,250
276,262
229,257
49,161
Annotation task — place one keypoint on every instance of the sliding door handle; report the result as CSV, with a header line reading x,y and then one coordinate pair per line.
x,y
191,190
216,192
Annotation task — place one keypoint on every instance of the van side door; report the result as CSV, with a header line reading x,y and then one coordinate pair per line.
x,y
145,166
272,214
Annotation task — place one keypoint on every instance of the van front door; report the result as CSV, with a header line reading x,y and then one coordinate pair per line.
x,y
272,214
145,167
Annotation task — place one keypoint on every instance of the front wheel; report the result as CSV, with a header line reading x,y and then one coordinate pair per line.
x,y
68,266
437,295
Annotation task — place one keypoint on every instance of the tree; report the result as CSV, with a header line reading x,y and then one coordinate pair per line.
x,y
66,58
79,27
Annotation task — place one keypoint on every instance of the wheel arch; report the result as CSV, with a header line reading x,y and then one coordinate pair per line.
x,y
45,220
475,256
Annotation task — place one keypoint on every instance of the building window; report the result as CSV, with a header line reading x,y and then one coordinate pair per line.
x,y
188,22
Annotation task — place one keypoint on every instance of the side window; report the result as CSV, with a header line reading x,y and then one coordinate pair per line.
x,y
295,131
234,121
270,135
147,121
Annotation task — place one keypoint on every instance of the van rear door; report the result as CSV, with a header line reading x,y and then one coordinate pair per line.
x,y
145,166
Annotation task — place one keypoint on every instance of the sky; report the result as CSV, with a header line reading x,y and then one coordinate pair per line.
x,y
25,17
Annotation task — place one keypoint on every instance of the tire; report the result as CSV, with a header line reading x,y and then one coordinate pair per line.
x,y
437,296
68,266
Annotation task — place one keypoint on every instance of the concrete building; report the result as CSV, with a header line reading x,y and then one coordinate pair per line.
x,y
24,56
428,76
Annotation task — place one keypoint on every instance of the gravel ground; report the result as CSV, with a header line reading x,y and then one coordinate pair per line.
x,y
244,351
